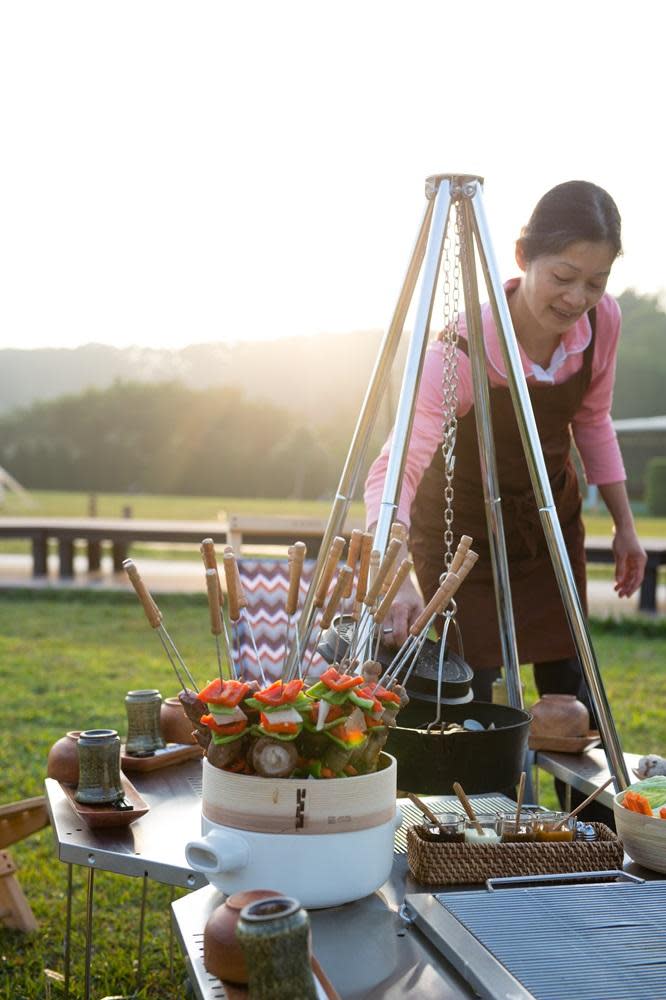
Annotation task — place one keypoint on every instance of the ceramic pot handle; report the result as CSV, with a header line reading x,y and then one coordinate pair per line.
x,y
219,851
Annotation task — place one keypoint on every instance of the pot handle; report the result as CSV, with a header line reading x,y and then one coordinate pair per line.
x,y
219,851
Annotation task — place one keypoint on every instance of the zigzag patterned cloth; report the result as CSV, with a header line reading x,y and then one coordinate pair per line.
x,y
266,584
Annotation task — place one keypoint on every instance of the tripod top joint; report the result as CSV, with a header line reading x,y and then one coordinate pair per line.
x,y
460,185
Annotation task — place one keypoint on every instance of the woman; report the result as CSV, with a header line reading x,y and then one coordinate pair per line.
x,y
567,329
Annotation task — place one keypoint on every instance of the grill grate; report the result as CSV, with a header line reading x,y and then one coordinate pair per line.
x,y
582,942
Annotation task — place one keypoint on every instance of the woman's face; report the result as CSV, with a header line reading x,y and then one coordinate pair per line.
x,y
559,288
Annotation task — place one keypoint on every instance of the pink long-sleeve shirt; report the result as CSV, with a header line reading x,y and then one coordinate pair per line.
x,y
592,425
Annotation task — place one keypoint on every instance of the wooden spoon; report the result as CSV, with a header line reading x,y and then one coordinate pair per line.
x,y
585,802
469,809
420,804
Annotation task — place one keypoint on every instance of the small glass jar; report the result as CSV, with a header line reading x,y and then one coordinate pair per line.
x,y
549,827
99,768
449,829
522,831
488,824
144,736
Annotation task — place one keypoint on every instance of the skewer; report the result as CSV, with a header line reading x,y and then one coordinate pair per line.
x,y
238,604
207,550
376,582
212,585
468,807
154,616
403,572
297,554
332,560
420,627
329,611
353,553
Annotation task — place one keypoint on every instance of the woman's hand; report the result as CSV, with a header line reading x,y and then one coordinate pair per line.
x,y
630,561
404,611
630,557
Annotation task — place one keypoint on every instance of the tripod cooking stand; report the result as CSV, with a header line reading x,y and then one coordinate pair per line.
x,y
466,192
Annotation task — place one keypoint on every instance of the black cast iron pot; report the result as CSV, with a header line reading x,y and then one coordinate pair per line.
x,y
485,761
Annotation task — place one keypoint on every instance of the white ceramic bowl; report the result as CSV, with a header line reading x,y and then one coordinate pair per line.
x,y
644,837
250,838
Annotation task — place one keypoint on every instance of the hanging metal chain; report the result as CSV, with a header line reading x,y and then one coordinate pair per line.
x,y
452,278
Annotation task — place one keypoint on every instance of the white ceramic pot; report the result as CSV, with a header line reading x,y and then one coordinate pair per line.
x,y
644,837
325,842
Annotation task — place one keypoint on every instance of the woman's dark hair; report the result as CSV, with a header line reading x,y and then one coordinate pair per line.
x,y
575,210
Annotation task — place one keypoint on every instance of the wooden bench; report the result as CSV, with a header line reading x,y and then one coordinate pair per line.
x,y
238,530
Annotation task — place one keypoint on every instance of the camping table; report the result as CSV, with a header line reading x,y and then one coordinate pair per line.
x,y
365,948
153,847
583,771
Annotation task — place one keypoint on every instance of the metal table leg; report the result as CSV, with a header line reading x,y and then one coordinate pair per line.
x,y
89,931
68,929
139,965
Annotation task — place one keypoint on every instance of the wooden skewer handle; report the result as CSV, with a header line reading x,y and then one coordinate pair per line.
x,y
390,556
297,557
467,806
210,562
340,586
464,545
364,566
399,531
153,613
332,560
404,570
353,553
213,602
437,602
231,578
240,592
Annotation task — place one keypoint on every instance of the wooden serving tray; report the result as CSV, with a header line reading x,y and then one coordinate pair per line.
x,y
565,744
101,816
172,753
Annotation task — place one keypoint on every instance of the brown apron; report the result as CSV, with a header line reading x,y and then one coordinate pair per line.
x,y
542,630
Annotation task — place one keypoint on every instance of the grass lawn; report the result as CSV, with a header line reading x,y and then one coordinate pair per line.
x,y
66,662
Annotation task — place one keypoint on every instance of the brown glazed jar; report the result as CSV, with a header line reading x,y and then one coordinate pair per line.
x,y
62,763
174,724
223,952
559,715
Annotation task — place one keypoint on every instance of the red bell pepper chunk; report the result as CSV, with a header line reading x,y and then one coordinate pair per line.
x,y
385,695
277,693
334,712
340,682
231,729
227,693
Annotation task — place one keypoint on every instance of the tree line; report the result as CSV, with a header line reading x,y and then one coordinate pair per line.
x,y
167,437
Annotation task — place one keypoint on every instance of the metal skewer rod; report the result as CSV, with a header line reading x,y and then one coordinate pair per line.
x,y
346,573
212,587
210,562
238,603
297,553
154,616
435,606
353,554
404,569
321,593
376,584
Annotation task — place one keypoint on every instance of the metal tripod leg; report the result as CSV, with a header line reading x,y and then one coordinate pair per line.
x,y
489,478
543,493
363,431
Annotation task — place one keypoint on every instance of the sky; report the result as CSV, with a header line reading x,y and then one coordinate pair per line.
x,y
196,171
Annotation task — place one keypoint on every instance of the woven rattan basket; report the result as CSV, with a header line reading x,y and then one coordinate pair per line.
x,y
468,864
